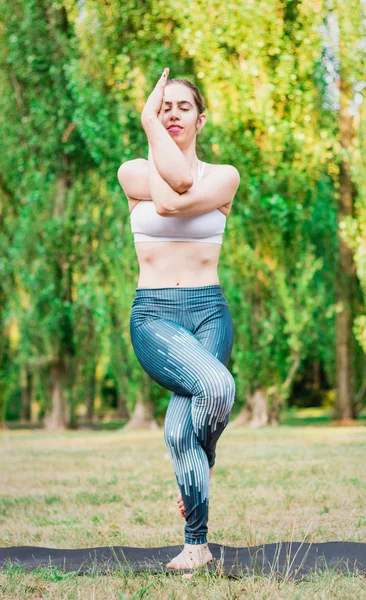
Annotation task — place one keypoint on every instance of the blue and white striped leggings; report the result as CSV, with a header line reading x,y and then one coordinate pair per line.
x,y
183,338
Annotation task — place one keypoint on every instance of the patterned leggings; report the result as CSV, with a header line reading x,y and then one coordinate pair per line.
x,y
183,339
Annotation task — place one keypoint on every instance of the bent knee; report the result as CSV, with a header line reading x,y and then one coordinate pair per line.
x,y
177,438
216,392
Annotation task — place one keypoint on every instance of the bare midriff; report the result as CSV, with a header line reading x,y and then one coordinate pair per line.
x,y
177,264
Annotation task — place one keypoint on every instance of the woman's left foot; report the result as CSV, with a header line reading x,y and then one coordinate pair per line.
x,y
180,501
181,505
193,556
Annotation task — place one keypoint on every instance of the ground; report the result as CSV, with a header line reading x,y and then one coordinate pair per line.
x,y
84,489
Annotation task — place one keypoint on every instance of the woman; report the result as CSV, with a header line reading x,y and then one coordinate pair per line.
x,y
181,326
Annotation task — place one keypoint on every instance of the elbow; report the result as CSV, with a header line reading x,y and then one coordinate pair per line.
x,y
184,185
166,211
162,210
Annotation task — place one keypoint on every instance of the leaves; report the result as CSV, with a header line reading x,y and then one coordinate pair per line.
x,y
75,77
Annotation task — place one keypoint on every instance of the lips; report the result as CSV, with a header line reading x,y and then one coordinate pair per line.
x,y
175,128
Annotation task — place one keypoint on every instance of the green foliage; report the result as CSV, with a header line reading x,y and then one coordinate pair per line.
x,y
75,77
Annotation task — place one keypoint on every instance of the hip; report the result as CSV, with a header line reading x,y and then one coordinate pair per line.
x,y
186,306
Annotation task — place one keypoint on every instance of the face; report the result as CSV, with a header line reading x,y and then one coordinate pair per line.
x,y
180,111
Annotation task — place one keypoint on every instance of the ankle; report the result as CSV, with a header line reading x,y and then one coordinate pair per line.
x,y
196,546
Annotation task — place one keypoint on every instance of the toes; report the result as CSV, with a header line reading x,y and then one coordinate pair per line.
x,y
180,503
181,507
174,566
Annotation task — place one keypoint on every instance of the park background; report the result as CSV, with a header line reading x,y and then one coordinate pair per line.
x,y
283,83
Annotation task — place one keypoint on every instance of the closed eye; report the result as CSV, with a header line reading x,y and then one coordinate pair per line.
x,y
181,109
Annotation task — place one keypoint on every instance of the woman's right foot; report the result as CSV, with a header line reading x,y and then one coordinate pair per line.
x,y
180,501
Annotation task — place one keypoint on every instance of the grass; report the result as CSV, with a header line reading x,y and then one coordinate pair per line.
x,y
99,488
312,416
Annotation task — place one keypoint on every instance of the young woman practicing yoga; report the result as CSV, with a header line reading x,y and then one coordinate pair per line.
x,y
181,327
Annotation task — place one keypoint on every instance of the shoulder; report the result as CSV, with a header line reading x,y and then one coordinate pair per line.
x,y
230,173
230,169
133,177
133,164
135,161
136,166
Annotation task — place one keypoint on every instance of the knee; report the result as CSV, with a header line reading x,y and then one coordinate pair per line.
x,y
231,387
229,394
216,391
175,437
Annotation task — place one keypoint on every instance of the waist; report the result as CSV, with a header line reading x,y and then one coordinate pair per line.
x,y
182,297
177,264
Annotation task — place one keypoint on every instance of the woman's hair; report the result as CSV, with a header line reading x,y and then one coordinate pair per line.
x,y
198,100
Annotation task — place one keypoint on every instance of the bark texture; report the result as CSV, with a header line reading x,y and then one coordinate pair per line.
x,y
346,273
255,412
143,414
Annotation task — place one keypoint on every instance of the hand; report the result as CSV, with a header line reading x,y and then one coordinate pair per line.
x,y
154,103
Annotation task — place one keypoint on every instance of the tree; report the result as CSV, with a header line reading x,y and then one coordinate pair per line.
x,y
346,54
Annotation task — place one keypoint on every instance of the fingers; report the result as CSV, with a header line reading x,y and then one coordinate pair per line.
x,y
164,76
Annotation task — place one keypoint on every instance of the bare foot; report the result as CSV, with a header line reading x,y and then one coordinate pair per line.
x,y
192,557
180,501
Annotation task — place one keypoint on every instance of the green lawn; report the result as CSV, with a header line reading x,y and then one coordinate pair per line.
x,y
100,488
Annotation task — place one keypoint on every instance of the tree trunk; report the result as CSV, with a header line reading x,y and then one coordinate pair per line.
x,y
122,411
255,413
143,414
57,417
345,282
90,394
25,413
316,375
4,345
119,366
274,411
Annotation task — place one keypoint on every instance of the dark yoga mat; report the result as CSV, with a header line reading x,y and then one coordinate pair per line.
x,y
285,559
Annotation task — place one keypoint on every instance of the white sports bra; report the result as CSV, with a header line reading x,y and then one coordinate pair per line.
x,y
148,226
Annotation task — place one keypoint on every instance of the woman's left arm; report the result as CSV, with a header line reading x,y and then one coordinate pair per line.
x,y
213,191
169,159
162,193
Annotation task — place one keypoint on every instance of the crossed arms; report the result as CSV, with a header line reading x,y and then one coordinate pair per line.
x,y
165,178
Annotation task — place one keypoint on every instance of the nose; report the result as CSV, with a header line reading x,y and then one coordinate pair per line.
x,y
174,112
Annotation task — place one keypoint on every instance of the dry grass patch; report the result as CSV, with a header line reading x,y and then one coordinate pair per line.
x,y
87,489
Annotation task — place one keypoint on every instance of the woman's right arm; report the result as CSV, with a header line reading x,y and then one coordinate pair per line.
x,y
133,176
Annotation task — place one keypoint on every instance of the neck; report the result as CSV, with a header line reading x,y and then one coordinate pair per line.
x,y
191,158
